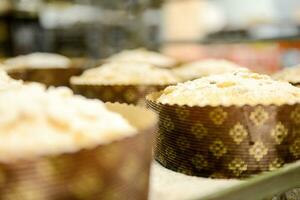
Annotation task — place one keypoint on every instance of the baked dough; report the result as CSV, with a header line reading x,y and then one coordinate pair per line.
x,y
291,74
143,56
207,67
7,83
237,88
126,73
37,60
35,121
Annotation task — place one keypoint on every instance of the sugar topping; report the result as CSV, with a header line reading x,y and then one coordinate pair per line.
x,y
38,60
207,67
291,74
35,121
143,56
239,88
126,73
8,83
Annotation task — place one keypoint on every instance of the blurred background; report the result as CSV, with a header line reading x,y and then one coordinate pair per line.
x,y
263,35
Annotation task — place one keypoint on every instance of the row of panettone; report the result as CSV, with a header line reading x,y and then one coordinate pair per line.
x,y
229,125
125,77
33,67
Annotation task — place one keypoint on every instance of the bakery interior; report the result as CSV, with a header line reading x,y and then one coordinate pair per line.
x,y
150,99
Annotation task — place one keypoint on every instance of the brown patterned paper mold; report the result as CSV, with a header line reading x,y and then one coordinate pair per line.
x,y
131,94
49,77
116,170
226,142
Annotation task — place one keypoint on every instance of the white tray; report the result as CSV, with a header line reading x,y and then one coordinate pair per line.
x,y
168,185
